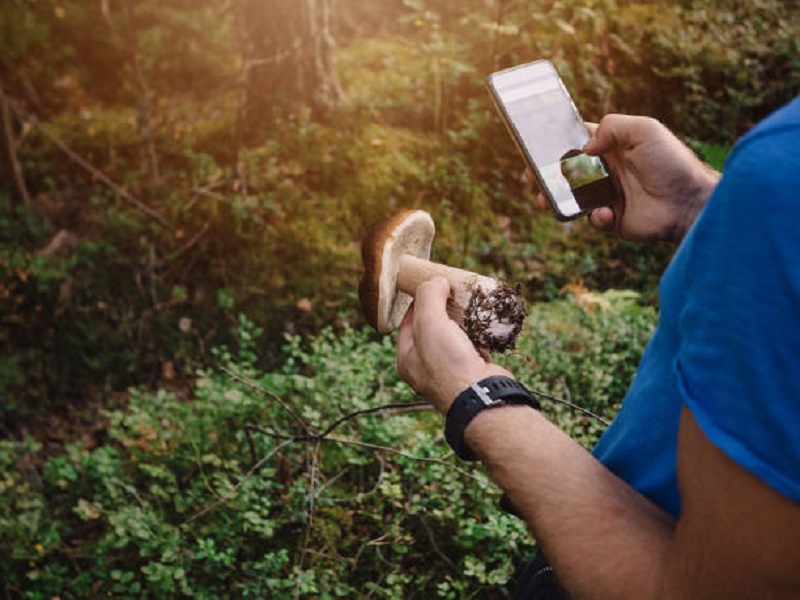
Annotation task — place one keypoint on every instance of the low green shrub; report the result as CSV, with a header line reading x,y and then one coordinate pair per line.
x,y
324,478
584,351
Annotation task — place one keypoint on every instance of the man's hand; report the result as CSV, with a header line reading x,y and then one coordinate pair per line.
x,y
665,184
434,356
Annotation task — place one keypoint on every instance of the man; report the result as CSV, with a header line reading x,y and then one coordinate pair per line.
x,y
694,490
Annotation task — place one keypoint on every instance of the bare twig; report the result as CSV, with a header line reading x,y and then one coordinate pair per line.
x,y
316,439
499,15
254,386
398,406
432,540
11,144
330,481
421,586
130,489
250,444
207,192
127,41
30,91
348,442
25,116
437,461
254,469
186,247
144,119
360,495
312,486
276,435
571,405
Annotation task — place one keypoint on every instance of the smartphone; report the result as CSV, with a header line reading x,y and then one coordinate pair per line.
x,y
548,130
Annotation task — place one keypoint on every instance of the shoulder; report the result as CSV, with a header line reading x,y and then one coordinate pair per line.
x,y
770,152
761,178
737,288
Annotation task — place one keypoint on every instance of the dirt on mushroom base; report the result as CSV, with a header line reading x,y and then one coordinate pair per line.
x,y
493,320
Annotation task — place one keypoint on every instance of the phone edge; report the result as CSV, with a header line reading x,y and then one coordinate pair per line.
x,y
517,137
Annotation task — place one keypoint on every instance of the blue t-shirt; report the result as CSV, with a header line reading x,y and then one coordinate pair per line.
x,y
727,345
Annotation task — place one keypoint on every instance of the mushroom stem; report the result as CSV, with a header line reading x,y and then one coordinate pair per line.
x,y
395,254
412,271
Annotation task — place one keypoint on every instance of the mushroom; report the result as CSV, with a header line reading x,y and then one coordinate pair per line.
x,y
395,254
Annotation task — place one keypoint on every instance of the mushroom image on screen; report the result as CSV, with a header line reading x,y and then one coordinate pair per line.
x,y
395,254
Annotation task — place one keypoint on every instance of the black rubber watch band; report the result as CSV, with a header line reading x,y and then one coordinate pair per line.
x,y
486,393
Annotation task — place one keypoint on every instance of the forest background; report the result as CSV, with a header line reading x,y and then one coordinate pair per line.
x,y
190,404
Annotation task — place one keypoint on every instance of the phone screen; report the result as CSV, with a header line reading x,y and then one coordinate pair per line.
x,y
550,133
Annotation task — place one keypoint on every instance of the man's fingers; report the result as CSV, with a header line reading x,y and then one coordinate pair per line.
x,y
421,322
527,175
429,309
622,132
431,303
602,218
405,337
600,143
611,132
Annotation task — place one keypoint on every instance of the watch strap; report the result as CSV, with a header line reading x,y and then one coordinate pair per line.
x,y
486,393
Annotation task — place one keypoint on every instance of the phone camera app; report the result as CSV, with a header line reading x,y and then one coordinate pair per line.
x,y
580,169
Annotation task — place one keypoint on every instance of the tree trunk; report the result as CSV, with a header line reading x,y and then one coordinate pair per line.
x,y
11,145
127,39
289,57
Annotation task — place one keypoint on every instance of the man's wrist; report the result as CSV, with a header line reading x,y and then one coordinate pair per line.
x,y
705,183
449,391
492,432
487,394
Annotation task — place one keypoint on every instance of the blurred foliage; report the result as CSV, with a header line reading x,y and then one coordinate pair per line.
x,y
585,350
180,499
156,215
149,95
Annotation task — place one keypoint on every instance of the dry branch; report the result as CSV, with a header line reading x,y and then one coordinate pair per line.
x,y
229,496
11,144
32,120
311,436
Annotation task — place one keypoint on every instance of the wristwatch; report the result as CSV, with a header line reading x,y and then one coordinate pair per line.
x,y
491,392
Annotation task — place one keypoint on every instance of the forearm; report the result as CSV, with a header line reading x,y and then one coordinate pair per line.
x,y
603,538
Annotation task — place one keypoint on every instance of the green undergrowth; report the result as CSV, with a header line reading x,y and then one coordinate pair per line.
x,y
323,478
266,220
132,300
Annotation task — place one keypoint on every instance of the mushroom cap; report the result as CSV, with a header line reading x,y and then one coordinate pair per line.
x,y
408,232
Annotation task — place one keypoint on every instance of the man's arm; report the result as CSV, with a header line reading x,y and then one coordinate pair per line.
x,y
736,538
603,539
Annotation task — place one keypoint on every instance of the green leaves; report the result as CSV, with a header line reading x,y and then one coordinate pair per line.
x,y
206,484
226,492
